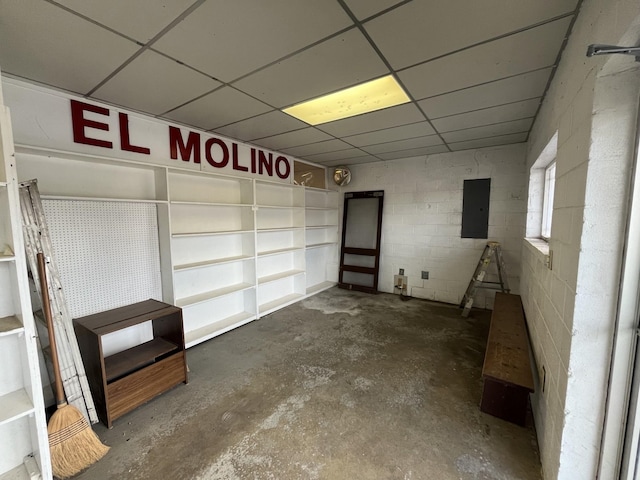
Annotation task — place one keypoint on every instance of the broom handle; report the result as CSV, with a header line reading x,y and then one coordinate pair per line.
x,y
46,309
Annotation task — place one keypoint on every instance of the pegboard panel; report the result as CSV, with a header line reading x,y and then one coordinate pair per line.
x,y
107,253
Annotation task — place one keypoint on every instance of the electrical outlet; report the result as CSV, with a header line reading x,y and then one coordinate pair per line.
x,y
401,272
425,275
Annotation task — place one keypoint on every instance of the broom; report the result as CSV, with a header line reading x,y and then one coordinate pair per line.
x,y
74,446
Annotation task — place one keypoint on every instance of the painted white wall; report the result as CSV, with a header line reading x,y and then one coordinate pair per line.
x,y
571,309
422,218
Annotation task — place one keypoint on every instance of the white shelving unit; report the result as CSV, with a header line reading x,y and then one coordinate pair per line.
x,y
24,447
321,239
280,262
212,224
232,249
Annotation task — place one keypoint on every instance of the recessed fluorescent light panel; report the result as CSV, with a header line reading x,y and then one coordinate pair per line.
x,y
364,98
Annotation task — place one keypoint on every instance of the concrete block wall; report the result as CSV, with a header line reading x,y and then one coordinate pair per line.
x,y
571,308
422,218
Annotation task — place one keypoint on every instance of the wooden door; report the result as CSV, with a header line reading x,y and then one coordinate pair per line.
x,y
360,250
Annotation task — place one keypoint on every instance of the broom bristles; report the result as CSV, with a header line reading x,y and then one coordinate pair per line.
x,y
73,444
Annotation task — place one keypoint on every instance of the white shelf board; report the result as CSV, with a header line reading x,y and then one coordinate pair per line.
x,y
279,251
318,189
211,204
318,227
280,207
321,245
206,263
14,405
269,307
203,297
219,327
322,208
278,276
7,258
319,287
10,326
100,199
209,234
279,229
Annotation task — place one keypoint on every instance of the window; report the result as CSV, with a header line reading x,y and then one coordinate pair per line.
x,y
542,182
547,206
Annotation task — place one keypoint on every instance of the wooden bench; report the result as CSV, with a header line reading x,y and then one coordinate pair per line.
x,y
506,371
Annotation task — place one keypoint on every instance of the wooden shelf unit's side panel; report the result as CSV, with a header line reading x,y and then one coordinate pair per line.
x,y
170,328
91,179
90,346
209,188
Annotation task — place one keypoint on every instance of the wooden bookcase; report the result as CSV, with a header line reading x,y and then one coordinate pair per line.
x,y
125,380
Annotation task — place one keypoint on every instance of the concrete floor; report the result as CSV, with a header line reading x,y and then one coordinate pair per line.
x,y
340,386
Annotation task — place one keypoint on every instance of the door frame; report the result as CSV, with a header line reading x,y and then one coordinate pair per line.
x,y
374,252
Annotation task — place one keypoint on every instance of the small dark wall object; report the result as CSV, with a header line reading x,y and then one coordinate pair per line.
x,y
475,208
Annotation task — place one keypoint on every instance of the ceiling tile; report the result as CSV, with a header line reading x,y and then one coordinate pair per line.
x,y
141,19
507,90
489,142
221,107
398,32
339,155
154,84
337,63
47,44
488,116
352,161
523,52
230,39
418,142
419,129
365,8
303,136
517,126
265,125
319,147
369,122
414,152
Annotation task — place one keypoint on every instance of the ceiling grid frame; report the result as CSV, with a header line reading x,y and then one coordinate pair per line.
x,y
363,128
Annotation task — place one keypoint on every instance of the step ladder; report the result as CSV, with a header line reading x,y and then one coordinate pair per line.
x,y
491,250
36,240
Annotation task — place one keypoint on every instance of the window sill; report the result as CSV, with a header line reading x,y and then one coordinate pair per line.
x,y
540,248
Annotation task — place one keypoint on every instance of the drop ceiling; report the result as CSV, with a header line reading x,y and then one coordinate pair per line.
x,y
476,71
